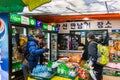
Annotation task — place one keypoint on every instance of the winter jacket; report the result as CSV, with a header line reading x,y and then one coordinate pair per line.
x,y
33,51
92,53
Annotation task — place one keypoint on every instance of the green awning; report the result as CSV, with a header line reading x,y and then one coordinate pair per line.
x,y
11,6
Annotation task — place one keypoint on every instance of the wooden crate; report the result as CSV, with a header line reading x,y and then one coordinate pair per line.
x,y
106,77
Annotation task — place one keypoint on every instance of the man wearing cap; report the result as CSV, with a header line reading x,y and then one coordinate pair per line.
x,y
32,53
95,69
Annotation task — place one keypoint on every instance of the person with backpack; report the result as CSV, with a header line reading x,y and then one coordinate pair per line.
x,y
95,68
32,53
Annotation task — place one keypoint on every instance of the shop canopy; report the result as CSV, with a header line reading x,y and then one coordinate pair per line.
x,y
76,7
60,7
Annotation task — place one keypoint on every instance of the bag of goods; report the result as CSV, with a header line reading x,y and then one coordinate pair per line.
x,y
39,69
63,69
74,57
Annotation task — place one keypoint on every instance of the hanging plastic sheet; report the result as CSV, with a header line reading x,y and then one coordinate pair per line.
x,y
11,6
32,4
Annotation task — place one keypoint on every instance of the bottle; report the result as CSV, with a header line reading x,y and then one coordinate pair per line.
x,y
14,31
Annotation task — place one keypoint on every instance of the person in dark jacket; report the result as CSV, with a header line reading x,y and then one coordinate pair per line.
x,y
95,68
32,53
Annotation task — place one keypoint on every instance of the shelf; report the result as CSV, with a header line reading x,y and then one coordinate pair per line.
x,y
71,51
115,38
17,75
115,61
13,62
16,70
54,50
111,68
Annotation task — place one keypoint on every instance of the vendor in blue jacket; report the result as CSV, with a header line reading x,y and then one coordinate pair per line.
x,y
32,53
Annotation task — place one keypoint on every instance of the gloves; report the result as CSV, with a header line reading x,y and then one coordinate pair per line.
x,y
46,49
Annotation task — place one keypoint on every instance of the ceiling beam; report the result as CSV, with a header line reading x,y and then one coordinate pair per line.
x,y
59,19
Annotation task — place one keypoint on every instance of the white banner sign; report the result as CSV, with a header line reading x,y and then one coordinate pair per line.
x,y
89,25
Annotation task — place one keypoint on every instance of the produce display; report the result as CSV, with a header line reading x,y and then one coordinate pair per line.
x,y
114,47
113,67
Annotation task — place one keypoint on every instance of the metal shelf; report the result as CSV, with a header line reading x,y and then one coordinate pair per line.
x,y
70,51
111,68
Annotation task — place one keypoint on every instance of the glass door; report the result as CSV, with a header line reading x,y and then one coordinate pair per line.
x,y
47,42
16,32
53,46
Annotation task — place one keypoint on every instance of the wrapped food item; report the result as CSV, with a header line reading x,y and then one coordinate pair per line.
x,y
74,57
119,46
113,50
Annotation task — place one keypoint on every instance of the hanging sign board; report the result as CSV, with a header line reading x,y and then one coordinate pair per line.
x,y
45,26
15,18
38,23
53,28
24,20
32,22
49,27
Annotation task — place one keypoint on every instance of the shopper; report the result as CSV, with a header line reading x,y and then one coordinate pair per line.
x,y
32,53
95,68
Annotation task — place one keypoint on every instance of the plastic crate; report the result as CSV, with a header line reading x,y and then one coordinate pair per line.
x,y
63,78
106,77
67,76
43,78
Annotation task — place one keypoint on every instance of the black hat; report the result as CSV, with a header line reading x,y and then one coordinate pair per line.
x,y
40,35
91,35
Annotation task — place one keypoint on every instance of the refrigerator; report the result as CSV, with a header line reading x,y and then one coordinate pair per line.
x,y
51,39
16,67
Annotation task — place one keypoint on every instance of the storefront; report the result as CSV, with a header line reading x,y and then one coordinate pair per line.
x,y
65,25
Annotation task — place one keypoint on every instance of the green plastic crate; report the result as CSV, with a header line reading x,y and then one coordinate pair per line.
x,y
44,78
67,76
